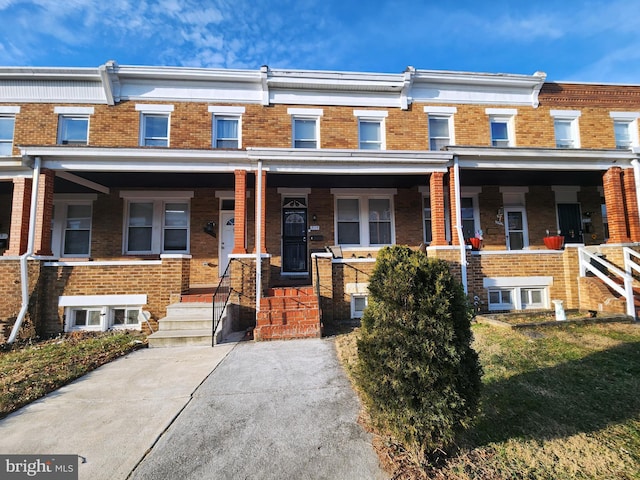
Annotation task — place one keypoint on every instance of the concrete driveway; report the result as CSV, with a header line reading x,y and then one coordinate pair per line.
x,y
271,410
243,411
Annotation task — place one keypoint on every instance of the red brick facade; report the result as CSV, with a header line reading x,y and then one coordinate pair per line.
x,y
112,162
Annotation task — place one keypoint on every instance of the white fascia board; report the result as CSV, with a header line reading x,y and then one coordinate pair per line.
x,y
349,99
529,164
211,93
50,73
12,173
101,300
156,74
326,154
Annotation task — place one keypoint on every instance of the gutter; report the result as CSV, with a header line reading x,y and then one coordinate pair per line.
x,y
463,247
24,274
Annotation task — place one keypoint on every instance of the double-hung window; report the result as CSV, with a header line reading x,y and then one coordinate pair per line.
x,y
501,124
305,127
71,226
73,125
625,129
7,124
156,222
227,126
154,124
440,120
371,134
565,124
364,219
102,312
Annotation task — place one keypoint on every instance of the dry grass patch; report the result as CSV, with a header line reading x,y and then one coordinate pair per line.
x,y
558,403
29,371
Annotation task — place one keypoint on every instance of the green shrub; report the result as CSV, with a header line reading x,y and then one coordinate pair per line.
x,y
417,370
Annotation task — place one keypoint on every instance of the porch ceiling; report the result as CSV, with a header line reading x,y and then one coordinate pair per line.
x,y
479,177
470,177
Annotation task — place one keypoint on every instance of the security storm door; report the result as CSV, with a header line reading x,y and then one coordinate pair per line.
x,y
294,236
227,222
516,228
570,222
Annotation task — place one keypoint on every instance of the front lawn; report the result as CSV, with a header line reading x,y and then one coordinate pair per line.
x,y
30,371
560,403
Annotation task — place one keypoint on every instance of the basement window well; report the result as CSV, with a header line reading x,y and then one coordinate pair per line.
x,y
102,312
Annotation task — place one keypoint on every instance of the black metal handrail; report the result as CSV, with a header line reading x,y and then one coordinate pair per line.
x,y
220,300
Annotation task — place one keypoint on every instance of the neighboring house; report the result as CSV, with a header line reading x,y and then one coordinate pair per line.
x,y
152,183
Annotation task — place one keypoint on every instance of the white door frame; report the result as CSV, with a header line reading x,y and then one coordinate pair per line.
x,y
525,225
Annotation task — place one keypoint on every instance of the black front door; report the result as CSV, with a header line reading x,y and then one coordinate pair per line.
x,y
570,222
294,240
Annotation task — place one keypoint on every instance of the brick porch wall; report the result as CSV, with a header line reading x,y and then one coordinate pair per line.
x,y
11,294
158,282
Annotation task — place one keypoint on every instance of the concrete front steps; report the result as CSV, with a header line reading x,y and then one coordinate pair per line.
x,y
289,312
186,323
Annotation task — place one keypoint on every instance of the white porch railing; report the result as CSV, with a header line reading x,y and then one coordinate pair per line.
x,y
631,259
593,264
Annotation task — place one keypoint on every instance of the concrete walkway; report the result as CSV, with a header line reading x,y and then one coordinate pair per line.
x,y
249,411
113,415
271,410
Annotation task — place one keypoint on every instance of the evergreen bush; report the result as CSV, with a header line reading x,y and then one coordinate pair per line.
x,y
416,368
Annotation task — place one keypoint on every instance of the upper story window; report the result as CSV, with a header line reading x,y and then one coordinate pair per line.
x,y
305,127
625,129
501,122
440,126
566,128
7,124
156,222
73,125
364,219
227,126
154,124
371,132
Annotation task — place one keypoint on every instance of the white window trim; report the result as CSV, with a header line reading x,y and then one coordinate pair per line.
x,y
82,111
373,116
474,194
571,116
234,113
442,112
159,199
9,109
57,235
62,117
358,313
305,114
363,198
153,109
516,284
630,118
105,303
503,115
9,112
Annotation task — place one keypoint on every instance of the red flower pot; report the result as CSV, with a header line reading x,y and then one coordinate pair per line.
x,y
554,243
475,243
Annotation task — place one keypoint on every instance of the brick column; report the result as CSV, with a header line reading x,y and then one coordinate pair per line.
x,y
240,227
631,204
453,202
614,199
263,214
44,214
436,196
21,204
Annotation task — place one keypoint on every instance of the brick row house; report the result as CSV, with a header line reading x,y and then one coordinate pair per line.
x,y
128,189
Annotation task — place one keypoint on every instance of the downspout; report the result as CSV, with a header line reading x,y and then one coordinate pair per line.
x,y
636,176
258,217
463,247
24,274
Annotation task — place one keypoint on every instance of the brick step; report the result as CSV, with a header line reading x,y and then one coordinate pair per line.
x,y
290,291
284,317
288,302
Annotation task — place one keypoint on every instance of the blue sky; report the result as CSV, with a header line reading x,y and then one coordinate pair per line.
x,y
592,41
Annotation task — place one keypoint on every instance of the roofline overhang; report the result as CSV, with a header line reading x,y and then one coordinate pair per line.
x,y
479,78
515,158
50,73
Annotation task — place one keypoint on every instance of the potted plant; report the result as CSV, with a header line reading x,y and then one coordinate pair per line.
x,y
554,242
476,242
